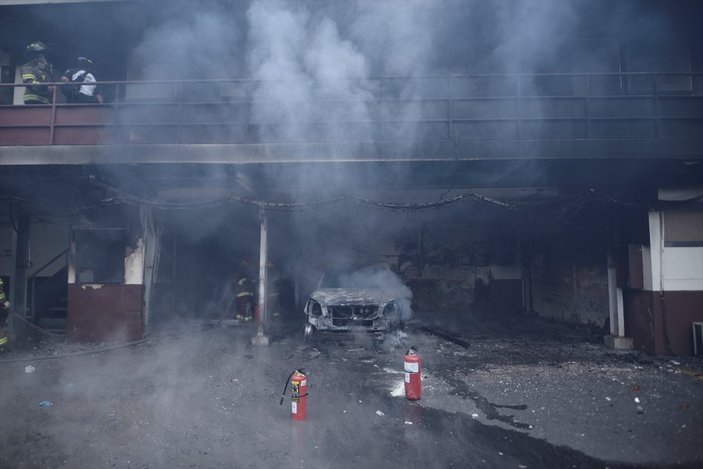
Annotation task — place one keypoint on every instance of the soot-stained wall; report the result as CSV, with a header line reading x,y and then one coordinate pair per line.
x,y
570,281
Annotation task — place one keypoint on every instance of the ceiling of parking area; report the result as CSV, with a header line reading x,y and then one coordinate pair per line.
x,y
370,183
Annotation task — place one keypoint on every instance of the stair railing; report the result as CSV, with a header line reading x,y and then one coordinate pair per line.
x,y
33,278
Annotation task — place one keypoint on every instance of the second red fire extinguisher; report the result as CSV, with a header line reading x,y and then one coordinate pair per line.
x,y
299,394
413,376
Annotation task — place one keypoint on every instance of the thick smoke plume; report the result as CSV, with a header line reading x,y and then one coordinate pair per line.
x,y
383,279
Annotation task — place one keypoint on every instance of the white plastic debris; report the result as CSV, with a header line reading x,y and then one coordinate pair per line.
x,y
637,400
608,399
674,362
474,416
29,369
379,413
407,422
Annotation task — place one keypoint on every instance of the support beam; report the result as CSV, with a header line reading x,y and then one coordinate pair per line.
x,y
261,338
21,221
616,339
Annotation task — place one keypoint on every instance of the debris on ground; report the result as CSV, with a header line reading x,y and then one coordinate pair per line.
x,y
29,369
352,350
446,336
45,404
379,413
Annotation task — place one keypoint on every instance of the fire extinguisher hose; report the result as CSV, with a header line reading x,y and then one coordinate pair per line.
x,y
283,396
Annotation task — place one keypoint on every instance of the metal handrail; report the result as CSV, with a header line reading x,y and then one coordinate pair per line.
x,y
523,88
33,279
47,264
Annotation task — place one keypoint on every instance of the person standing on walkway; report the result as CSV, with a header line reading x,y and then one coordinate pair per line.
x,y
36,71
84,90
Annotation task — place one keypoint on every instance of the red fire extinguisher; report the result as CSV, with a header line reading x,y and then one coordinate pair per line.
x,y
299,394
413,377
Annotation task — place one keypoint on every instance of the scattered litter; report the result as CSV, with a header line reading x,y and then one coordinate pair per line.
x,y
521,466
367,360
379,413
408,422
360,349
608,398
637,400
360,401
344,411
29,369
674,362
45,404
500,453
474,416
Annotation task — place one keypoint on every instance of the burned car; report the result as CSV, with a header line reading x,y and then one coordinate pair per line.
x,y
357,307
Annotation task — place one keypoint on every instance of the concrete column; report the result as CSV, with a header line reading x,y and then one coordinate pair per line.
x,y
260,338
20,266
617,338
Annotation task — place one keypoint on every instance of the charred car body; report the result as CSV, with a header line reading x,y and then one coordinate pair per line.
x,y
349,309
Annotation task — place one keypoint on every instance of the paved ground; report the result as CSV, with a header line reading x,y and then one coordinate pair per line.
x,y
519,394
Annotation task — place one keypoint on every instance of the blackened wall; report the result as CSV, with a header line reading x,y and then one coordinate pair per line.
x,y
569,281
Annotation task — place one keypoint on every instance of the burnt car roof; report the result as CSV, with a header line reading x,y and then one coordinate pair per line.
x,y
351,296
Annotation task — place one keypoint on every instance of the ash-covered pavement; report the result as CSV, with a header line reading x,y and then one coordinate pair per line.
x,y
517,395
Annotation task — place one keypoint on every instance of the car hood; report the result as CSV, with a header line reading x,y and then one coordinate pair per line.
x,y
345,296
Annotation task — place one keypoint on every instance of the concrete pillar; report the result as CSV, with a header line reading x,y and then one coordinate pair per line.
x,y
20,266
616,339
260,338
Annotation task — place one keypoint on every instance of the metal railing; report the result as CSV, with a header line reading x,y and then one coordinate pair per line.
x,y
451,108
33,281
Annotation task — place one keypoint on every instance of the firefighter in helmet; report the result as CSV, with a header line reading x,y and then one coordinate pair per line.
x,y
245,291
4,310
37,70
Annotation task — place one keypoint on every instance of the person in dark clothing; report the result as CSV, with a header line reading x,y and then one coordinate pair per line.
x,y
84,90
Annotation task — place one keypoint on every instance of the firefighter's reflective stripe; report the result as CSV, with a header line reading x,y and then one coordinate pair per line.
x,y
3,340
244,293
34,90
35,97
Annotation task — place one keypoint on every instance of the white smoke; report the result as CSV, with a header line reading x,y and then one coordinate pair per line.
x,y
384,279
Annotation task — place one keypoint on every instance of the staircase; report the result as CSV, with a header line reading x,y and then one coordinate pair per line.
x,y
48,298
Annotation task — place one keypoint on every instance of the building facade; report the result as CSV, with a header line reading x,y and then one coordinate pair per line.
x,y
505,158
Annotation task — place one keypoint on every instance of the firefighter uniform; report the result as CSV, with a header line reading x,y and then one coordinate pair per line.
x,y
35,72
4,310
245,297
